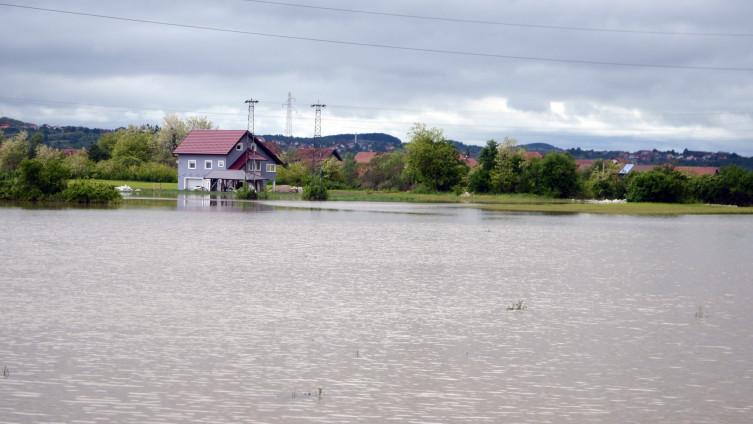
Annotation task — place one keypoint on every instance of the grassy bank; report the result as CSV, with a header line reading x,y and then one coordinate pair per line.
x,y
492,202
624,208
147,189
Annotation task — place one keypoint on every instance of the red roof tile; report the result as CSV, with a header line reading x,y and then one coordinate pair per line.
x,y
209,142
365,157
532,155
698,170
316,155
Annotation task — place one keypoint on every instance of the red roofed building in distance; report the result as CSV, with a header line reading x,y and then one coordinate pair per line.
x,y
698,170
365,158
468,160
311,156
532,155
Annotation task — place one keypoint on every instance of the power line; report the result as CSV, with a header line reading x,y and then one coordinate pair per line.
x,y
500,23
372,122
388,46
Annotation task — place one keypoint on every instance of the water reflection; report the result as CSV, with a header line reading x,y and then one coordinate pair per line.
x,y
217,202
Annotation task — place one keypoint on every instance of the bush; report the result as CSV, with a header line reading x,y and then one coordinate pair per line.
x,y
149,171
38,180
245,193
315,190
87,191
660,185
155,172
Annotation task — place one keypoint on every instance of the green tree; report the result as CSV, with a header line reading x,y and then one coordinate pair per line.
x,y
488,156
38,180
558,175
387,172
35,142
132,146
662,184
174,129
332,172
79,165
432,160
14,151
295,174
507,174
601,181
102,149
735,186
350,171
47,153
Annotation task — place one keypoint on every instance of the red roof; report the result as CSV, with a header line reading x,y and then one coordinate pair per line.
x,y
365,157
316,155
273,147
532,155
210,142
698,170
72,152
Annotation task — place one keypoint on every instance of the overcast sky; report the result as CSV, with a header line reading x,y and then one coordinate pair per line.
x,y
74,70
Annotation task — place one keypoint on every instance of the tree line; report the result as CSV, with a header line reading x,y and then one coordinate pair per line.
x,y
30,170
430,163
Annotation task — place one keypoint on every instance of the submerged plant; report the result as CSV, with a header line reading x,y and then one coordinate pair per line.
x,y
700,314
517,306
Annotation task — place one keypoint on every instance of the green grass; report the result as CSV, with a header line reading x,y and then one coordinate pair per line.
x,y
410,197
143,185
494,202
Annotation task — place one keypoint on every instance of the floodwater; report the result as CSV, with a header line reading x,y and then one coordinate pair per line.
x,y
207,312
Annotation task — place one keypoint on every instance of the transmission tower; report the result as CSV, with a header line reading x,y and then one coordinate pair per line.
x,y
318,119
251,109
289,117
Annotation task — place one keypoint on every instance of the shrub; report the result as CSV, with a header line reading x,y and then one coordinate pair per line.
x,y
155,172
245,193
315,190
87,191
38,179
660,185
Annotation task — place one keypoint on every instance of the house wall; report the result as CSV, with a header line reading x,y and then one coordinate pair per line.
x,y
200,171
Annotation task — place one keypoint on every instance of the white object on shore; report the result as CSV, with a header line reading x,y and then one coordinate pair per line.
x,y
124,189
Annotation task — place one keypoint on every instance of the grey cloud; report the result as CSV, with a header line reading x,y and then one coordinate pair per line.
x,y
86,60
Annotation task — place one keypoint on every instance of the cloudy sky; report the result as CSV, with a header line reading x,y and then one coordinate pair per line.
x,y
70,69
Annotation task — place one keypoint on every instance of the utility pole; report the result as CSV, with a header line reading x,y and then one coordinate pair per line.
x,y
318,119
251,106
289,117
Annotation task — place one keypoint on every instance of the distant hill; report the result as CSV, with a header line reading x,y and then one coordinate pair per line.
x,y
345,143
540,147
66,137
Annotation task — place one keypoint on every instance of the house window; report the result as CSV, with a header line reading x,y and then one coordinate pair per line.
x,y
207,164
254,166
220,163
239,146
271,168
191,164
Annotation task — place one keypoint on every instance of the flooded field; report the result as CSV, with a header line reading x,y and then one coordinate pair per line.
x,y
357,312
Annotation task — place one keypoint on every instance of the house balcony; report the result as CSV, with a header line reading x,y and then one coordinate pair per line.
x,y
253,175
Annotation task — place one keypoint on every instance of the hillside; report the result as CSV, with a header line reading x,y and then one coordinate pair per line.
x,y
345,143
60,137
